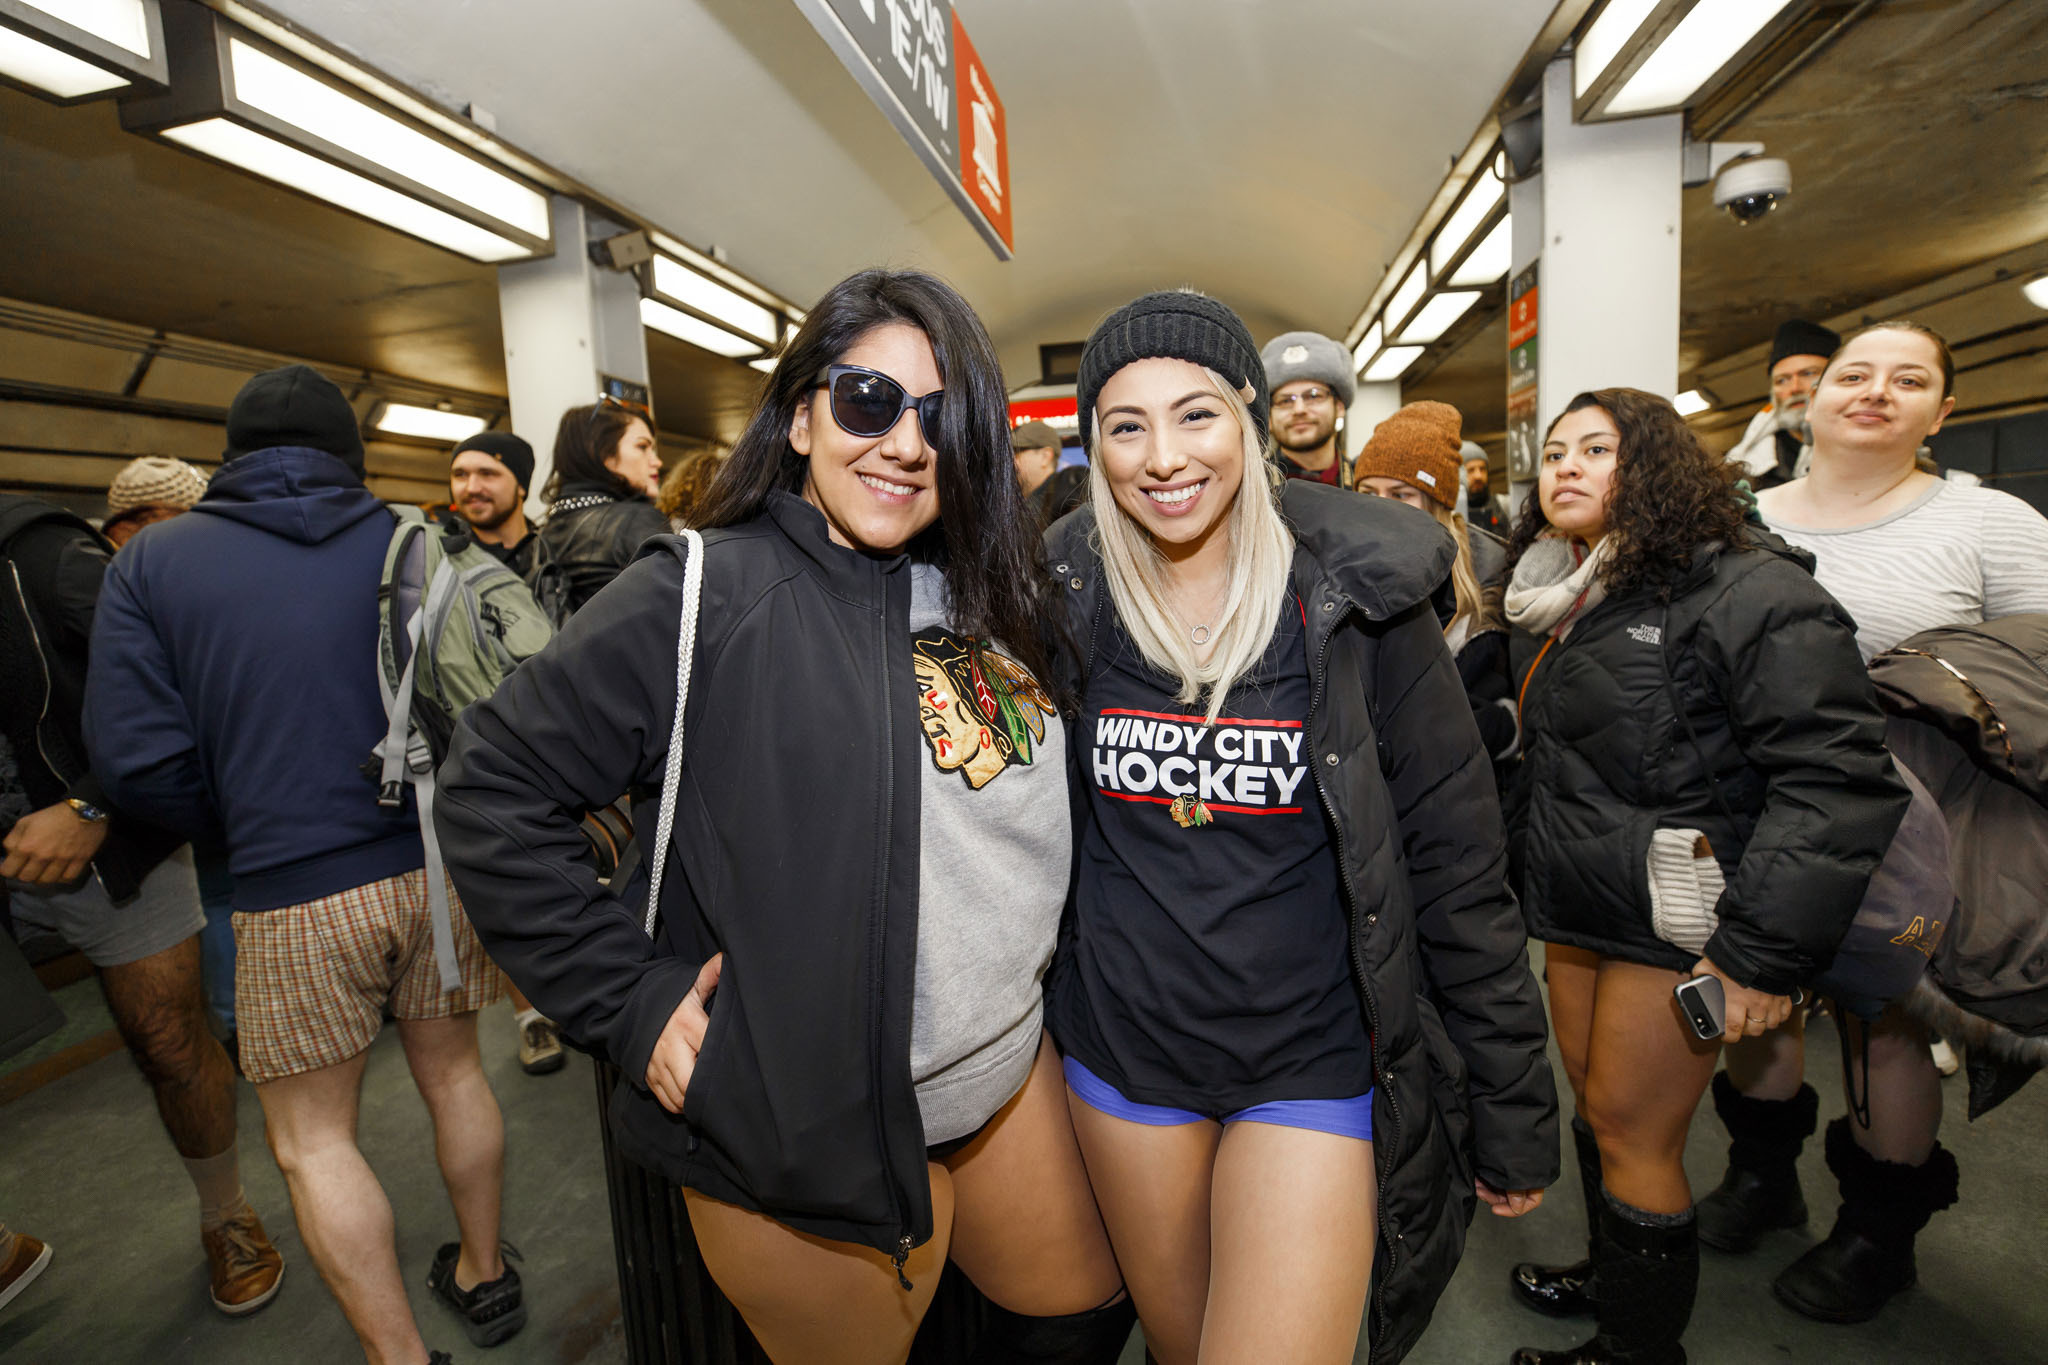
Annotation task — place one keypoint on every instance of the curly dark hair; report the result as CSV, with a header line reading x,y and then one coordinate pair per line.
x,y
1670,496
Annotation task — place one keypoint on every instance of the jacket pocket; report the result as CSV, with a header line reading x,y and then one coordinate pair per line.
x,y
1683,883
1447,1082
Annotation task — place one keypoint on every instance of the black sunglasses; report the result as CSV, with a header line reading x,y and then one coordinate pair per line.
x,y
868,403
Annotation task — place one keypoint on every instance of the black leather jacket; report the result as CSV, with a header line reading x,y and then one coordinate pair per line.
x,y
795,853
592,532
1438,951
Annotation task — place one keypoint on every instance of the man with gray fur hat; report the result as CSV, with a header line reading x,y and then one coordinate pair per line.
x,y
1312,386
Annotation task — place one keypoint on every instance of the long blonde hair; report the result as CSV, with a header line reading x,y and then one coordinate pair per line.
x,y
1261,553
1464,577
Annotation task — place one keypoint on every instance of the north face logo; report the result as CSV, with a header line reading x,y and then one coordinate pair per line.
x,y
1646,635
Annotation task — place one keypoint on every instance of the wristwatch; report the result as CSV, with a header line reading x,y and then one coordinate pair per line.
x,y
86,811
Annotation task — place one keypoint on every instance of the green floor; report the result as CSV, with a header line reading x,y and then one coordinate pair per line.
x,y
84,1164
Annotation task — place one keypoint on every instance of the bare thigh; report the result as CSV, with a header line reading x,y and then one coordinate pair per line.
x,y
1645,1074
1153,1187
1293,1223
813,1301
1571,973
1025,1228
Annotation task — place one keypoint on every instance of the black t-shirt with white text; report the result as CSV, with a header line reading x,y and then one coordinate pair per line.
x,y
1210,965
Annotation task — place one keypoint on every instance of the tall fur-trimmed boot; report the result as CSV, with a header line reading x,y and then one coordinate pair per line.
x,y
1868,1257
1566,1291
1760,1192
1647,1273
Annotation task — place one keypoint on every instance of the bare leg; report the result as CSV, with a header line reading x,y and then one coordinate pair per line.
x,y
1773,1065
1644,1078
1572,974
1294,1216
1025,1228
1153,1186
469,1135
343,1216
810,1301
159,1006
1903,1089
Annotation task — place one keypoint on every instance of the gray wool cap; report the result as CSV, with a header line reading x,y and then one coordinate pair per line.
x,y
1310,355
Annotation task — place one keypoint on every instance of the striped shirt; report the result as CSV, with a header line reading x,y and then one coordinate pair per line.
x,y
1960,554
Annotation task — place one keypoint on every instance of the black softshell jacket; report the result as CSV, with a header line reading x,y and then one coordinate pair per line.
x,y
795,853
1764,663
1438,950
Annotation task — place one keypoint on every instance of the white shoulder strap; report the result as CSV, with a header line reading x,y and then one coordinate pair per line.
x,y
672,778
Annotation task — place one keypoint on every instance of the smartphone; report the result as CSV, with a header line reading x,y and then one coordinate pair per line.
x,y
1705,1005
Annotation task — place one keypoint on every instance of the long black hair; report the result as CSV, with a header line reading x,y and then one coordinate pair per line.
x,y
985,539
584,439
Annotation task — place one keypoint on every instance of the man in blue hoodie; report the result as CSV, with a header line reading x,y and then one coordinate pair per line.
x,y
234,692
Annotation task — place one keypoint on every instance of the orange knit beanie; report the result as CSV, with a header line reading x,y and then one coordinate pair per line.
x,y
1418,445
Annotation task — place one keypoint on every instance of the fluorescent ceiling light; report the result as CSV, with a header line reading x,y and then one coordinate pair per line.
x,y
765,364
1457,229
2036,291
1691,53
1489,260
408,419
124,23
1437,316
677,281
1605,40
274,160
293,97
1367,347
66,77
680,325
1405,298
1391,364
1690,402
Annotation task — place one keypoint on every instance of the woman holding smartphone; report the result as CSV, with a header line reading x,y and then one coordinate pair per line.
x,y
1704,793
1302,1039
830,1026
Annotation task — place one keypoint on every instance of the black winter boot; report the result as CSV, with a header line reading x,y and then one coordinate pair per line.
x,y
1567,1291
1648,1271
1761,1190
1869,1255
1096,1337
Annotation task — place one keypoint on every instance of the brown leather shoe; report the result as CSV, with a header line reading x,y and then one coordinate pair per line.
x,y
25,1260
246,1268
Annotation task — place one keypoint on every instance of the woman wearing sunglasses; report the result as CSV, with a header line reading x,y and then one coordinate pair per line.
x,y
1301,1034
833,1036
601,498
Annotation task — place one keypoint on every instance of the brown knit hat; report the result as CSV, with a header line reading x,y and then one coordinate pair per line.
x,y
155,481
1417,445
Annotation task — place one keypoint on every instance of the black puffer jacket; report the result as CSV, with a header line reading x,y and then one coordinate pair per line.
x,y
592,532
1438,950
1788,731
795,853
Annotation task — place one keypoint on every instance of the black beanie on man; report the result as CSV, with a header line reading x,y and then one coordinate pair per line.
x,y
294,406
508,450
1175,324
1797,336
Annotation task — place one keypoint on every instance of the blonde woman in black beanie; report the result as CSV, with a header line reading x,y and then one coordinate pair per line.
x,y
1300,1032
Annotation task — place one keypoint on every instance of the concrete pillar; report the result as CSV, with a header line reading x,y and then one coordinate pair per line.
x,y
1373,404
1601,221
565,322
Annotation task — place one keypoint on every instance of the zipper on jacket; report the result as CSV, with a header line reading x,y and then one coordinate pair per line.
x,y
43,666
1372,1013
878,961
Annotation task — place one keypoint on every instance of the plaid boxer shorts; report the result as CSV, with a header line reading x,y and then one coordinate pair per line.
x,y
312,981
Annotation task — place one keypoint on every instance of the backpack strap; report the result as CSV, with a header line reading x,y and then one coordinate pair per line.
x,y
672,777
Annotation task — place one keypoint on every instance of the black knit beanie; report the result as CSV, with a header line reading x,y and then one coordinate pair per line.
x,y
1800,337
1176,324
294,406
508,450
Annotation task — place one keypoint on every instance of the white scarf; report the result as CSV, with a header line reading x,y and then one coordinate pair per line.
x,y
1556,583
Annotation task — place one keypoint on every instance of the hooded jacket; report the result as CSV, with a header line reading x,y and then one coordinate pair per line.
x,y
234,681
51,567
1438,951
1784,733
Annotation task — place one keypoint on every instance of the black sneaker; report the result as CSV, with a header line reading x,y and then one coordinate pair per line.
x,y
493,1311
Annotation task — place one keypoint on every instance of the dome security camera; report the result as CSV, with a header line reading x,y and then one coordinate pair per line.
x,y
1752,187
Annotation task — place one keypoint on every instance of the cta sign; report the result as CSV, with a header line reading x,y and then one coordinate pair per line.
x,y
914,59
